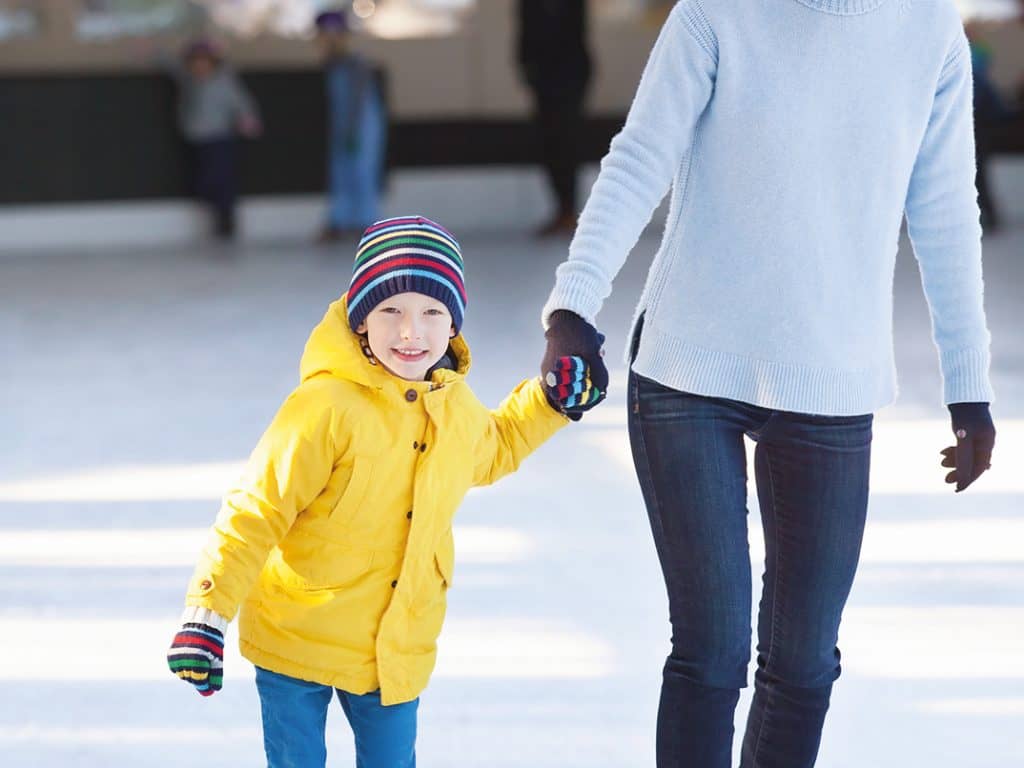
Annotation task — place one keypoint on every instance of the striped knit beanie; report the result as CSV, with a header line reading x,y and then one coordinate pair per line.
x,y
408,253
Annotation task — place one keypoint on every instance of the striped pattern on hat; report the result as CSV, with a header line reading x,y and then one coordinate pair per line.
x,y
407,253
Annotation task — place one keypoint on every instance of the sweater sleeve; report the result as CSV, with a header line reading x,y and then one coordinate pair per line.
x,y
943,223
642,161
287,470
517,427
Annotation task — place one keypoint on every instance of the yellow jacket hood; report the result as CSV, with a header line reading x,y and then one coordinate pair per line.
x,y
333,348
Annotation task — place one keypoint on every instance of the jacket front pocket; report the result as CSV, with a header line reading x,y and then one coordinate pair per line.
x,y
443,561
439,579
311,563
354,495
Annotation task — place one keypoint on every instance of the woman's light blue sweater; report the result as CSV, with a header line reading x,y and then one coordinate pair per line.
x,y
794,135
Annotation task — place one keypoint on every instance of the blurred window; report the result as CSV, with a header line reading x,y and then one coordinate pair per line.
x,y
19,18
392,19
109,19
989,10
402,19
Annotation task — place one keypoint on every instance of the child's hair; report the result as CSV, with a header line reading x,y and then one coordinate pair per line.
x,y
406,253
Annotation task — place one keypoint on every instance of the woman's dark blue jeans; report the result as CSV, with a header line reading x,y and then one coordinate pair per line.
x,y
812,487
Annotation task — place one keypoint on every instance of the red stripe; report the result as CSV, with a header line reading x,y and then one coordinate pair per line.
x,y
411,261
197,641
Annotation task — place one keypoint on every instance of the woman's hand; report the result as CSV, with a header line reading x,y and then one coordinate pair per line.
x,y
575,377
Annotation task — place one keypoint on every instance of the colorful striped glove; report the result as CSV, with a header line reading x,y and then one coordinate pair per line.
x,y
570,388
197,651
570,337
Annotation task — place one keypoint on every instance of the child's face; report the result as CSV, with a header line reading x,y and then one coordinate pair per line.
x,y
408,333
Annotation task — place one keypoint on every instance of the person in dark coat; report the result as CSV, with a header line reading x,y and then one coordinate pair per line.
x,y
556,66
994,120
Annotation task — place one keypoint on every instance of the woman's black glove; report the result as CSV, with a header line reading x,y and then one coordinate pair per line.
x,y
570,336
975,438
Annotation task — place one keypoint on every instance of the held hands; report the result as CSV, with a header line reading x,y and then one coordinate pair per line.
x,y
569,388
975,438
574,375
197,657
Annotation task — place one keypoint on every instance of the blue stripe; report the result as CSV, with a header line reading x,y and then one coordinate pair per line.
x,y
578,387
195,630
416,273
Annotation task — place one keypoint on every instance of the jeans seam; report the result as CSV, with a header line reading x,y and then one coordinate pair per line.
x,y
646,456
775,593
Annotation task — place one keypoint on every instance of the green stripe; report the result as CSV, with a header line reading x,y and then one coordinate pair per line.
x,y
188,664
421,241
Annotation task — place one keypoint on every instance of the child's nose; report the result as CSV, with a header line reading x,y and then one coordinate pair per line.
x,y
410,330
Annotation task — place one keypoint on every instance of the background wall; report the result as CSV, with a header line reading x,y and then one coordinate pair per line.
x,y
93,121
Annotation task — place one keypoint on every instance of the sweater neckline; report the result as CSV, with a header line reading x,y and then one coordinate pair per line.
x,y
843,7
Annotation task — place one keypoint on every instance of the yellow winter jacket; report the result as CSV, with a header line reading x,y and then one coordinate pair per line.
x,y
337,542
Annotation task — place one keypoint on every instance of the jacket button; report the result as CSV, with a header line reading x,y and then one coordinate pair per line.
x,y
394,583
423,447
415,444
409,514
410,395
205,585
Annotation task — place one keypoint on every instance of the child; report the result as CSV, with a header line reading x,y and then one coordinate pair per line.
x,y
338,543
356,131
214,108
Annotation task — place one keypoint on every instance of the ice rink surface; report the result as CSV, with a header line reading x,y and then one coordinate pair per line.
x,y
135,383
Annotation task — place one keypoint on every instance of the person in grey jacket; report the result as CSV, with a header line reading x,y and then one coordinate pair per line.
x,y
214,109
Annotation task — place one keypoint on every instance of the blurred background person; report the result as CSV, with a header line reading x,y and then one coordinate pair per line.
x,y
356,131
995,119
556,66
214,110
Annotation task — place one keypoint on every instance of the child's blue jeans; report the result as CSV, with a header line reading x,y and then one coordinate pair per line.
x,y
295,719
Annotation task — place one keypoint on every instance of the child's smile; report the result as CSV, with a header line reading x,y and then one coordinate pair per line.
x,y
408,333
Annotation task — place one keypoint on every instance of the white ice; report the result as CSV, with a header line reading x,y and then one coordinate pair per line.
x,y
135,383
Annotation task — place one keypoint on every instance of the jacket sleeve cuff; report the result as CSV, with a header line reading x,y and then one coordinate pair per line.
x,y
554,419
195,614
965,376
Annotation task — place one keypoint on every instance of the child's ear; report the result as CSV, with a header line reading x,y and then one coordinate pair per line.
x,y
453,333
361,328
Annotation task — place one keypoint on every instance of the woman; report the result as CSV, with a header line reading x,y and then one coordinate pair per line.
x,y
794,135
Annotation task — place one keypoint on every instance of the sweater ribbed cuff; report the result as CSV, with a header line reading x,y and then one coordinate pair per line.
x,y
965,376
578,288
194,614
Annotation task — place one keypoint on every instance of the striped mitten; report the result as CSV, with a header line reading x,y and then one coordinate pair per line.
x,y
570,385
196,654
575,376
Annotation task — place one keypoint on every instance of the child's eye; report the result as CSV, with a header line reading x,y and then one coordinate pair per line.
x,y
434,312
389,310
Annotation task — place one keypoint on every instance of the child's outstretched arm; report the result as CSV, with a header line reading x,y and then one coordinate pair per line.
x,y
517,427
288,469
